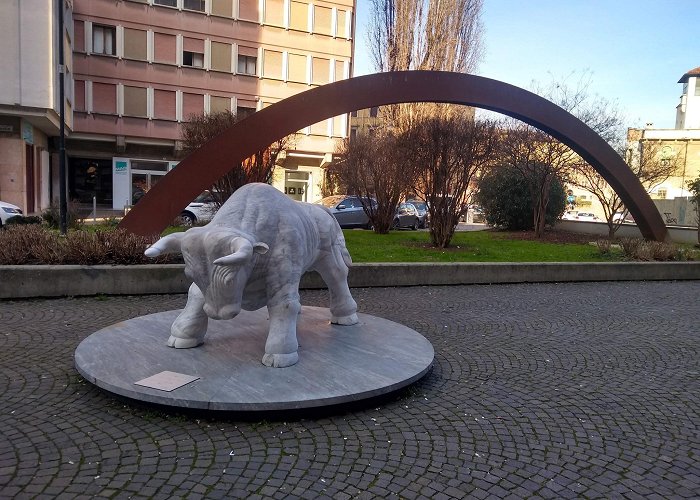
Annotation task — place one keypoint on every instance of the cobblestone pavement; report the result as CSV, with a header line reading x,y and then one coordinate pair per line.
x,y
556,390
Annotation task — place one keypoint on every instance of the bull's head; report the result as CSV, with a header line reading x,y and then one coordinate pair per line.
x,y
218,261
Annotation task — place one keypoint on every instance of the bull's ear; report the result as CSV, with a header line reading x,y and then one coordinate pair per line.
x,y
169,244
260,248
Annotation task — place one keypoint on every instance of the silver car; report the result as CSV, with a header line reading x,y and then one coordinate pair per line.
x,y
406,217
347,210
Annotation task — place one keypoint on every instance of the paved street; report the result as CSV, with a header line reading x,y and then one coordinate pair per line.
x,y
585,390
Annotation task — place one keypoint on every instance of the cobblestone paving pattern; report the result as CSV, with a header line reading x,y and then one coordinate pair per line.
x,y
587,390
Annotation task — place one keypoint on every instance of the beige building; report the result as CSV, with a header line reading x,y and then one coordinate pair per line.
x,y
680,145
140,68
29,100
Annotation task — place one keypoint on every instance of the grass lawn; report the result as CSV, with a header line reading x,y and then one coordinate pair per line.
x,y
468,246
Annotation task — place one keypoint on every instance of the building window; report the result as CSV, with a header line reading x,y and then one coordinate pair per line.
x,y
219,104
222,8
373,112
135,44
322,20
274,12
164,104
296,68
341,24
661,194
193,59
247,65
165,48
103,38
197,5
272,64
135,101
243,112
221,57
320,71
167,3
299,16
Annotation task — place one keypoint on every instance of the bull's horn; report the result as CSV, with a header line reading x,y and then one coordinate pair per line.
x,y
169,244
241,250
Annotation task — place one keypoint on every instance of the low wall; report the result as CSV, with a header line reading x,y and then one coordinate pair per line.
x,y
54,281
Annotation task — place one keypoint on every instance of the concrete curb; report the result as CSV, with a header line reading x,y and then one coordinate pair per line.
x,y
55,281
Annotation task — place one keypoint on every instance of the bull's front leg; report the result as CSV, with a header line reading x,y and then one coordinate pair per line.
x,y
190,327
282,346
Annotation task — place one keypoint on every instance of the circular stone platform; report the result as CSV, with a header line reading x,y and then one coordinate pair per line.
x,y
337,364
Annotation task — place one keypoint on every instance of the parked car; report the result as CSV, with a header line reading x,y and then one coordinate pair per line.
x,y
623,217
406,217
423,215
478,215
202,209
569,215
7,211
347,210
586,216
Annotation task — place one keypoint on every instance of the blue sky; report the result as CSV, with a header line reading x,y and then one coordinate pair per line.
x,y
634,50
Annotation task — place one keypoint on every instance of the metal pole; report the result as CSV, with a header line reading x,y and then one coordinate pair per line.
x,y
63,205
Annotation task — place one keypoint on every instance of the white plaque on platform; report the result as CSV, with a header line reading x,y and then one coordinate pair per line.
x,y
166,381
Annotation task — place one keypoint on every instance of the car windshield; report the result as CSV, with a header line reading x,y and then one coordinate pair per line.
x,y
420,205
205,197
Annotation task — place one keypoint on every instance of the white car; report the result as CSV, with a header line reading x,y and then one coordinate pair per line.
x,y
202,209
8,210
586,216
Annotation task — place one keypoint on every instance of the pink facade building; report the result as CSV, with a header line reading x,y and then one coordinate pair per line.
x,y
140,68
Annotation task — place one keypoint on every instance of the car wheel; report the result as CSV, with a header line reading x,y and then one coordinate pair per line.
x,y
369,226
416,225
187,219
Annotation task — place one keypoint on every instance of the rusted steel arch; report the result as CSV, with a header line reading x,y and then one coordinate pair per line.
x,y
210,162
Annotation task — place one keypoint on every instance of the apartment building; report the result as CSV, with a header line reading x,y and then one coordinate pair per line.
x,y
140,68
29,99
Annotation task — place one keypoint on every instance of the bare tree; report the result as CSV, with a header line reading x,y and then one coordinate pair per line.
x,y
447,155
258,168
647,162
541,158
424,35
374,168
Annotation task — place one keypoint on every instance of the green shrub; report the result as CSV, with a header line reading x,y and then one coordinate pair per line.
x,y
52,216
505,196
23,220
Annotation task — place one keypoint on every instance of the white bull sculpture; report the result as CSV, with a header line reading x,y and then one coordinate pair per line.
x,y
253,254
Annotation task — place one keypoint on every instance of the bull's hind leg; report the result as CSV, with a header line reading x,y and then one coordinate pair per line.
x,y
282,346
343,307
190,327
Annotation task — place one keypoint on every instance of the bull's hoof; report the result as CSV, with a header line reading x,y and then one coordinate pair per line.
x,y
280,360
179,343
344,320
